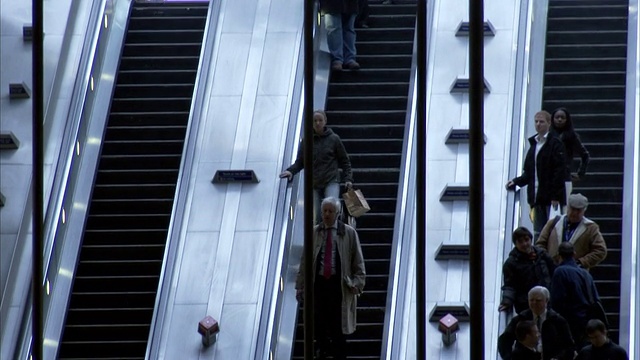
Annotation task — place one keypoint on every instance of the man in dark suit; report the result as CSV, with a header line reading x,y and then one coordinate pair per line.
x,y
528,337
543,172
555,336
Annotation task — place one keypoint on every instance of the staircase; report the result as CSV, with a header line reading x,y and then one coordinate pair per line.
x,y
367,109
585,67
123,245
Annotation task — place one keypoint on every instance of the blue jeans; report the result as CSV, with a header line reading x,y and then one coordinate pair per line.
x,y
331,189
341,37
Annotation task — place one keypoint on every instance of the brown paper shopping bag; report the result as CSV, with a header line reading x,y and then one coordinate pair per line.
x,y
355,202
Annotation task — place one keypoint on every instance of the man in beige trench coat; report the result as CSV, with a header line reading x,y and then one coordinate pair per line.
x,y
339,279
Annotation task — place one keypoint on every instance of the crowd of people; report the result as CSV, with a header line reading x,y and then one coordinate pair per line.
x,y
546,276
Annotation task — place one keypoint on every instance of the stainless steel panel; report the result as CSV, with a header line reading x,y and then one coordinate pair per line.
x,y
15,117
441,119
267,130
14,14
52,50
256,201
68,71
231,64
196,268
496,131
186,343
439,174
53,12
276,70
237,333
15,186
449,14
15,56
208,207
245,268
494,173
286,16
502,14
220,129
7,244
499,62
239,16
450,60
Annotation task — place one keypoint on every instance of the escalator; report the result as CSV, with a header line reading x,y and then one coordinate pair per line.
x,y
585,70
116,279
367,109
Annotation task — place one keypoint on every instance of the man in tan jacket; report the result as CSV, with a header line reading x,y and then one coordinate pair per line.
x,y
582,232
339,278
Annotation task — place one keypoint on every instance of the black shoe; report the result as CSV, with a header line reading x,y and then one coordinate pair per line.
x,y
351,65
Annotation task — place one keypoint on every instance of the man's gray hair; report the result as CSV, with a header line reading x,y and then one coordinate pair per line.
x,y
539,290
337,205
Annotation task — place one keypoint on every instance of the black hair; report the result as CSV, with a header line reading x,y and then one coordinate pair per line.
x,y
523,329
520,233
595,325
567,132
566,250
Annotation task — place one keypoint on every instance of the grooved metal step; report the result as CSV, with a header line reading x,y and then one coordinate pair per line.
x,y
123,244
585,71
367,109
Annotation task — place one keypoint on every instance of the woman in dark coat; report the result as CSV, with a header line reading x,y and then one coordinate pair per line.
x,y
562,128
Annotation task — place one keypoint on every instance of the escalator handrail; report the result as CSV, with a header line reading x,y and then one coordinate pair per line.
x,y
527,100
279,307
630,262
177,230
404,219
64,169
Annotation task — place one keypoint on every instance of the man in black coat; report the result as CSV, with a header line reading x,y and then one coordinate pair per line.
x,y
339,20
528,337
543,172
526,267
601,348
569,297
555,336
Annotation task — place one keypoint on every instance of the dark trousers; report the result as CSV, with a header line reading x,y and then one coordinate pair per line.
x,y
328,317
363,12
540,218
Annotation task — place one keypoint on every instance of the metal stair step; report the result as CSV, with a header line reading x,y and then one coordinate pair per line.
x,y
578,50
368,89
367,117
584,23
154,90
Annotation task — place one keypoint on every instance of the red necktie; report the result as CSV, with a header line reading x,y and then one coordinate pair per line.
x,y
326,272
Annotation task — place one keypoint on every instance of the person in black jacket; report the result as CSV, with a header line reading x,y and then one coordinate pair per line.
x,y
329,156
528,337
569,297
526,267
555,336
543,172
562,128
339,20
601,348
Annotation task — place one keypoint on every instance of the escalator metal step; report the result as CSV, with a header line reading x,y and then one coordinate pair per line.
x,y
123,244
